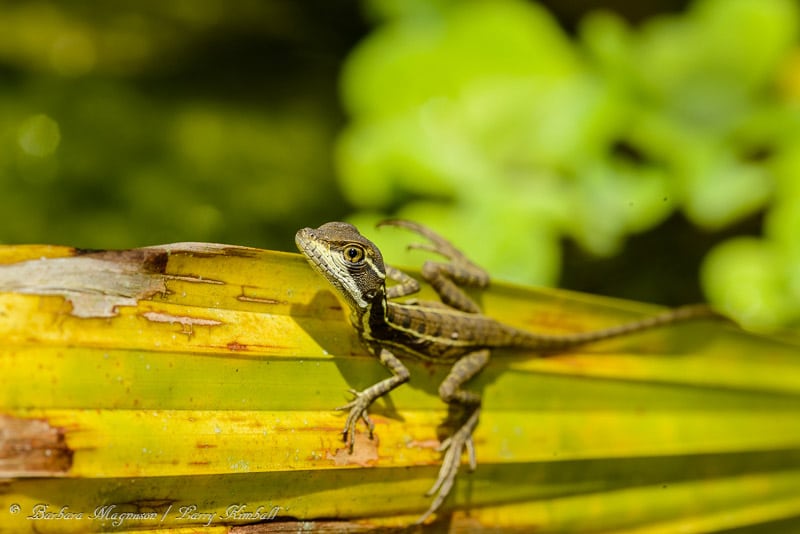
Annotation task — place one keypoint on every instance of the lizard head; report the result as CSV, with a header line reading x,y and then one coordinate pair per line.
x,y
348,260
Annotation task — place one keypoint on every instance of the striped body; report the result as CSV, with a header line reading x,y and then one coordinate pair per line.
x,y
430,334
439,334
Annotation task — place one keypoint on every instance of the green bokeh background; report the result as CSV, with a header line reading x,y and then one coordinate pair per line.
x,y
644,152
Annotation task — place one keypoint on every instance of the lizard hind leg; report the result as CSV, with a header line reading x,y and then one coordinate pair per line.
x,y
451,392
446,278
454,447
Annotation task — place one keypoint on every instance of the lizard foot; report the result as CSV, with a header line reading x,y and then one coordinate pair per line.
x,y
437,245
358,410
453,447
446,277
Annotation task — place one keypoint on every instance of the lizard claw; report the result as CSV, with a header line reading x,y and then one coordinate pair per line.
x,y
428,248
469,445
453,447
451,463
439,245
358,410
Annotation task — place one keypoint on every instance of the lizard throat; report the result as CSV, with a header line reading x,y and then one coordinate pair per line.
x,y
371,321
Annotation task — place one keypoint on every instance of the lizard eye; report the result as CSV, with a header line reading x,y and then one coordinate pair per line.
x,y
354,253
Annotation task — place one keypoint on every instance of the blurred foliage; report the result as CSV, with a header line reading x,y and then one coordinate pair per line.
x,y
146,122
489,122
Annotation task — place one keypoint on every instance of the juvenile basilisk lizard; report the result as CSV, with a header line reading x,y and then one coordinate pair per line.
x,y
452,331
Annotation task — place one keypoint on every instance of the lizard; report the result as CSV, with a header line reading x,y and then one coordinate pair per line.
x,y
453,331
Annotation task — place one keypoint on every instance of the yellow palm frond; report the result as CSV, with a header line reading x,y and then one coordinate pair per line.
x,y
193,385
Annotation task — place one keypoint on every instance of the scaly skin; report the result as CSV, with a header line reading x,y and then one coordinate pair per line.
x,y
453,331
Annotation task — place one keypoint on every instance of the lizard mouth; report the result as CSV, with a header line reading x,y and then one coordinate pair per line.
x,y
303,239
307,243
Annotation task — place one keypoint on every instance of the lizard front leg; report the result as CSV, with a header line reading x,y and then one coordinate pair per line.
x,y
451,392
363,399
406,285
446,278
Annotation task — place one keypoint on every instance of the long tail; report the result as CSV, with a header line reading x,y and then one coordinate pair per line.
x,y
547,342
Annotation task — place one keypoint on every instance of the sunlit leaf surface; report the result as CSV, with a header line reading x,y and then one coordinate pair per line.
x,y
193,385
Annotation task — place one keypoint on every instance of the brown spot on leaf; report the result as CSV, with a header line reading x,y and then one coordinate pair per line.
x,y
365,452
212,250
425,444
97,283
195,279
156,263
187,322
260,300
32,447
